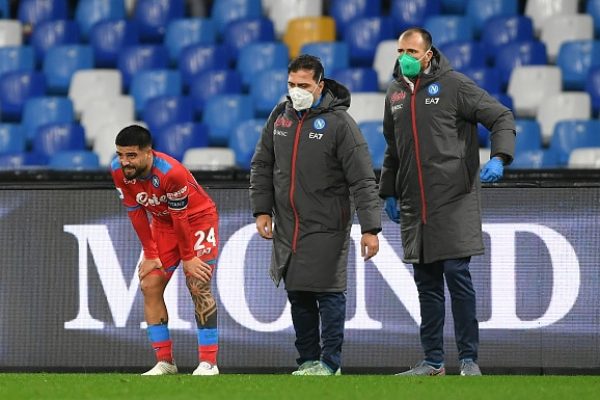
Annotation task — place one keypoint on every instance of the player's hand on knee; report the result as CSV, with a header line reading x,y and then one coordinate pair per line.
x,y
147,266
198,269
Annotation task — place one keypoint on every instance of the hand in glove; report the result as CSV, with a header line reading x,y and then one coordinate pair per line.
x,y
391,209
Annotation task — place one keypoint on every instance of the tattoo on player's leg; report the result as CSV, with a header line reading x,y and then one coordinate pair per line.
x,y
204,302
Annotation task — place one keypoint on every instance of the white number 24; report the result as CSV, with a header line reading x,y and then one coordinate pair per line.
x,y
210,238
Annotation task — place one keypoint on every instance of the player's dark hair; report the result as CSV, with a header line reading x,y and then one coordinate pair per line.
x,y
309,63
134,135
425,35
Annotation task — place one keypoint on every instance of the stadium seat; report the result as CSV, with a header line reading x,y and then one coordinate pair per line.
x,y
484,155
104,144
518,54
454,6
483,136
585,158
243,141
15,58
559,29
175,139
211,83
333,55
540,10
222,113
16,161
5,9
89,12
74,160
62,62
593,8
530,159
12,139
529,135
367,106
504,99
448,28
16,88
283,11
464,55
209,159
109,38
54,137
101,111
240,33
480,11
39,111
363,35
153,16
196,59
301,31
226,11
373,133
357,79
485,77
162,111
571,134
134,59
152,83
268,89
409,13
344,11
567,105
592,86
33,12
575,59
11,33
53,33
260,56
88,84
499,31
529,85
386,57
187,31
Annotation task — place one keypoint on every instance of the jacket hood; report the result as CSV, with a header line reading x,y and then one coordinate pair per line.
x,y
439,66
335,96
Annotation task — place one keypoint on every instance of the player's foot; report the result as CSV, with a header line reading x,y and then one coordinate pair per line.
x,y
469,367
424,369
305,365
205,369
162,368
318,369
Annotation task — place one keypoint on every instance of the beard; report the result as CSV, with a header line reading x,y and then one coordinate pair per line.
x,y
131,172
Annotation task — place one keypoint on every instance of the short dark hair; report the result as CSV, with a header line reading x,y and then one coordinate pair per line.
x,y
425,35
134,135
309,63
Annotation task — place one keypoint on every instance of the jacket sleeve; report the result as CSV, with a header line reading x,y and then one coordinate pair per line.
x,y
476,105
389,170
261,169
353,153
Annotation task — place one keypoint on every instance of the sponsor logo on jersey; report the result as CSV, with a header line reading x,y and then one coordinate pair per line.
x,y
282,122
146,200
278,132
397,96
181,193
315,135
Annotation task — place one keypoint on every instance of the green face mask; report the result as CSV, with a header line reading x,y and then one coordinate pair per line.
x,y
409,65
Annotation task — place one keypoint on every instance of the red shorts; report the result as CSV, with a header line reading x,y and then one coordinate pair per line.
x,y
205,237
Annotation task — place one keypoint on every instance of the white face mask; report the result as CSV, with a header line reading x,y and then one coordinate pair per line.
x,y
301,98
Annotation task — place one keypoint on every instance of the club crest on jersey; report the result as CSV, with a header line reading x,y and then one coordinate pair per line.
x,y
319,124
155,181
433,89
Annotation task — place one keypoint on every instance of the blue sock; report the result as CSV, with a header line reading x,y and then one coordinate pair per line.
x,y
158,332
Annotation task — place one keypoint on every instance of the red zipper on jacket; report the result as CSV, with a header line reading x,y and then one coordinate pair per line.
x,y
418,152
293,183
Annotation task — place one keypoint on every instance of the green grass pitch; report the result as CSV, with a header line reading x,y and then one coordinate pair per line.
x,y
283,387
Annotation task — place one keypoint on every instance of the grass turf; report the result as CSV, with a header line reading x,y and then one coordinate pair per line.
x,y
283,387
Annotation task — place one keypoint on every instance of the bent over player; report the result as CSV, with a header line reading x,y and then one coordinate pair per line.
x,y
184,228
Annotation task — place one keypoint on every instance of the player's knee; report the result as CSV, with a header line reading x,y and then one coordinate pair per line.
x,y
152,284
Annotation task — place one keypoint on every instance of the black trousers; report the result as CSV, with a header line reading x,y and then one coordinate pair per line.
x,y
430,285
314,310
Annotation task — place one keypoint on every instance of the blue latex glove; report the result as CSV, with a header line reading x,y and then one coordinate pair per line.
x,y
492,171
391,209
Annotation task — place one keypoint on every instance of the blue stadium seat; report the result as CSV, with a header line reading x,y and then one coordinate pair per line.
x,y
260,56
502,30
196,59
483,136
575,58
39,111
62,62
89,12
33,12
167,110
211,83
344,11
134,59
592,86
363,35
226,11
183,32
480,11
53,33
109,38
24,160
357,79
486,78
373,133
571,134
13,58
333,55
240,33
593,8
12,139
243,141
16,88
153,16
454,6
464,55
54,137
222,113
409,13
153,83
74,160
534,159
5,9
504,99
175,139
448,28
267,89
529,135
514,54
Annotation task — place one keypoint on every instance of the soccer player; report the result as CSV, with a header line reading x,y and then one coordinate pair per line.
x,y
184,228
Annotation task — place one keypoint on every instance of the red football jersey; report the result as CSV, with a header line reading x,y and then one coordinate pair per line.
x,y
171,194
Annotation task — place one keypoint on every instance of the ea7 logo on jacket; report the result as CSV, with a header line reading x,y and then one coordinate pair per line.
x,y
433,89
282,122
314,135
